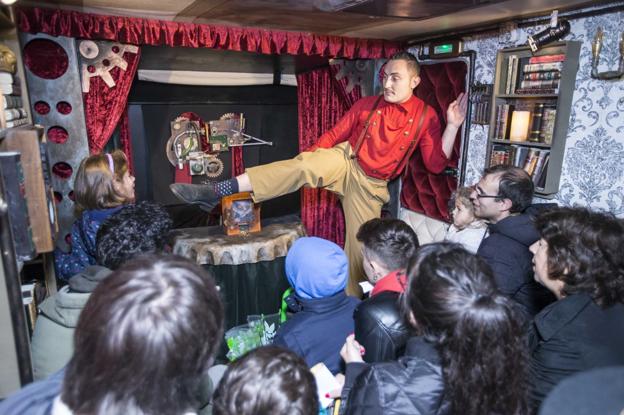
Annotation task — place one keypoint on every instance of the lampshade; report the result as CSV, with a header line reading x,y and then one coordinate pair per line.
x,y
519,130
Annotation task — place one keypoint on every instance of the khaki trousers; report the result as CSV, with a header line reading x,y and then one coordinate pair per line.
x,y
333,169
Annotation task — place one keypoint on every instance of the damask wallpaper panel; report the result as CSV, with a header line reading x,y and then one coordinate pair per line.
x,y
593,166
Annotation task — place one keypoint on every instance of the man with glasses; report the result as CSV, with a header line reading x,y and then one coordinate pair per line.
x,y
503,198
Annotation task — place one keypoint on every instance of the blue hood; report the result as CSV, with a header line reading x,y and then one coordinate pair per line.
x,y
316,268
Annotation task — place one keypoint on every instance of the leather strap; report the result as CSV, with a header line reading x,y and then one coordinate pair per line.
x,y
360,139
419,128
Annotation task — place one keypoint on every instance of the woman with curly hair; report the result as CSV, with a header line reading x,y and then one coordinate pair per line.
x,y
580,259
468,355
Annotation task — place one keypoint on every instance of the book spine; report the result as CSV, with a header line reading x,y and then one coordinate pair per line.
x,y
547,58
541,181
539,166
536,123
548,125
539,76
537,91
510,66
551,83
506,121
542,67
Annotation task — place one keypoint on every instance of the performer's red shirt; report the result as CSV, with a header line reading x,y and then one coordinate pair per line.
x,y
395,281
390,132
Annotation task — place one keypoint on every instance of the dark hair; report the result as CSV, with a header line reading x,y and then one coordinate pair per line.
x,y
135,229
391,241
267,380
409,58
585,251
453,297
93,184
144,339
515,184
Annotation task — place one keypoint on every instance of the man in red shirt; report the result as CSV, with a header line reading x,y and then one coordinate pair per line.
x,y
368,147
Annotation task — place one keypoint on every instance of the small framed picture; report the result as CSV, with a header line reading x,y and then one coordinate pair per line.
x,y
240,214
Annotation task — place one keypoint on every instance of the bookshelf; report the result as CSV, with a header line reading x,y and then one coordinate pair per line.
x,y
530,111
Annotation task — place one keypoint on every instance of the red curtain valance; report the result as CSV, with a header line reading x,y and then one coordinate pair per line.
x,y
139,31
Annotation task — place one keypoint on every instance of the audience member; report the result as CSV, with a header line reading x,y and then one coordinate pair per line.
x,y
317,270
267,380
596,391
134,229
143,344
466,229
580,259
503,198
387,246
102,185
469,356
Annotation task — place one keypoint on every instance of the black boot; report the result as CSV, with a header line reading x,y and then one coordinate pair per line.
x,y
203,195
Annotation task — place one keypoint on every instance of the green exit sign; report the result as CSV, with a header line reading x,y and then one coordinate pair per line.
x,y
445,49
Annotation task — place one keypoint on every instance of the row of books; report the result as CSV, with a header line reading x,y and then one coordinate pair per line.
x,y
534,161
530,122
537,74
13,112
481,98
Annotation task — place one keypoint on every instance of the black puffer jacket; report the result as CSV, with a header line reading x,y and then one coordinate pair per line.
x,y
411,385
380,327
506,250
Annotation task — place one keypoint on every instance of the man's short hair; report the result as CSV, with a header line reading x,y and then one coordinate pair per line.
x,y
515,184
391,242
139,228
410,59
144,339
267,380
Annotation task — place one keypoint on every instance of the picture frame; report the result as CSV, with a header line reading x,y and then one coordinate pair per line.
x,y
241,215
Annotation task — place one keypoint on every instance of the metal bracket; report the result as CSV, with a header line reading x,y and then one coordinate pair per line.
x,y
596,48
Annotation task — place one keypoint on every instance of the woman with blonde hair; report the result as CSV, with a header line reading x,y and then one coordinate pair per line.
x,y
102,185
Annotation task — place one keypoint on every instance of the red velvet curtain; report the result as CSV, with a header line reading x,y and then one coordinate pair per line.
x,y
138,31
322,100
125,139
104,106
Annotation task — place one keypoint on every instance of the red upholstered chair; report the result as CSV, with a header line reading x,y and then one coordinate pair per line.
x,y
422,191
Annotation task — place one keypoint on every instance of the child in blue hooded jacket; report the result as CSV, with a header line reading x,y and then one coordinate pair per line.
x,y
317,269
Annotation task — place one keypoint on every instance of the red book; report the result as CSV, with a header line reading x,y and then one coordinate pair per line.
x,y
547,58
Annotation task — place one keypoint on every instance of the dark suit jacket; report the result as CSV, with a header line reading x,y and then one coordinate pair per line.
x,y
572,335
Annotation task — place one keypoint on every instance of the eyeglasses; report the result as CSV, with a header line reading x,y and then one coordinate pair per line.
x,y
484,196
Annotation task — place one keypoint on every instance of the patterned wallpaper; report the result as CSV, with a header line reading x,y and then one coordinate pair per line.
x,y
593,166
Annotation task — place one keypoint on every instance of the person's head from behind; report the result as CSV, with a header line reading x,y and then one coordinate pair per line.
x,y
501,192
267,380
400,77
316,268
461,208
144,340
140,228
387,245
103,181
580,251
452,301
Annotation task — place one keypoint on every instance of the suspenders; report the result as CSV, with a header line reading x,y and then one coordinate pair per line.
x,y
360,139
419,128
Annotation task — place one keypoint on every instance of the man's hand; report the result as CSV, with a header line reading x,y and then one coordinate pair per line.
x,y
352,351
456,111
